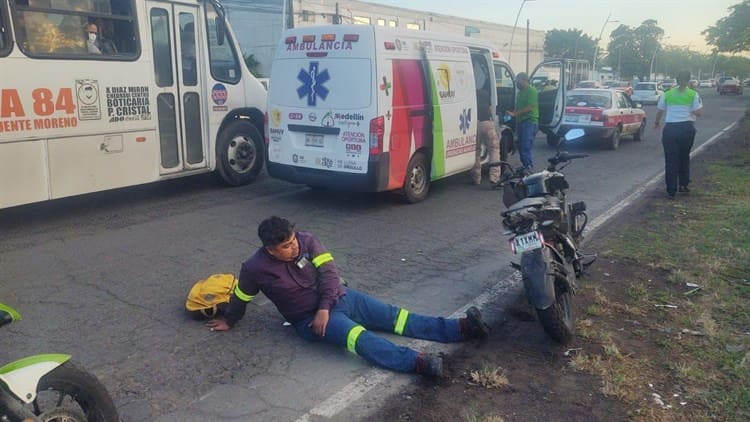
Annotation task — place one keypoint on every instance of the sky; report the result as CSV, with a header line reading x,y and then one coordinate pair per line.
x,y
681,20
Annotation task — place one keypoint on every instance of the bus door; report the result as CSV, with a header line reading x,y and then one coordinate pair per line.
x,y
453,99
176,44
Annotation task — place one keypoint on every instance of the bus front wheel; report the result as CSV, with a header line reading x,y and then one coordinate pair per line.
x,y
239,153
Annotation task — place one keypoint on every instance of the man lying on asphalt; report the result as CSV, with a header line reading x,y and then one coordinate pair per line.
x,y
296,272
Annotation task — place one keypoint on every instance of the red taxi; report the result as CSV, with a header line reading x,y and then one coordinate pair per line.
x,y
604,115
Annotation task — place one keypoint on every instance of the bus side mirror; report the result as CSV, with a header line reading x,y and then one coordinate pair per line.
x,y
220,28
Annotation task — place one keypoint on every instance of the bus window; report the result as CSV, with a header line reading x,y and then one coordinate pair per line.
x,y
187,53
4,41
224,64
161,47
60,28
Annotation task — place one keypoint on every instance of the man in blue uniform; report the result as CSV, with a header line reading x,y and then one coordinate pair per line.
x,y
295,271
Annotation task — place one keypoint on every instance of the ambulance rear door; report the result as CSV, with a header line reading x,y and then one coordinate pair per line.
x,y
320,100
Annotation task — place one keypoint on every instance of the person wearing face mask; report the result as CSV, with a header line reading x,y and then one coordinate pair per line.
x,y
96,44
295,272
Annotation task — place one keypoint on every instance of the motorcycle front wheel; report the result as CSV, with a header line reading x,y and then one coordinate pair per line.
x,y
71,394
557,319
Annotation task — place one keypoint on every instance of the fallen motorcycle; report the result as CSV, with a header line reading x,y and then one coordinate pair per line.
x,y
545,231
50,388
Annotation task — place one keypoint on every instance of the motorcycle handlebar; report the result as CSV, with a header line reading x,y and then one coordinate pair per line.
x,y
564,157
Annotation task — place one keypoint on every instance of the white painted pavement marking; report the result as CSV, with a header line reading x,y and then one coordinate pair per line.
x,y
372,378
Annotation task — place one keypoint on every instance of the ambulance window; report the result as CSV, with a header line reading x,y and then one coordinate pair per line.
x,y
60,29
161,46
4,35
481,78
505,88
503,77
223,59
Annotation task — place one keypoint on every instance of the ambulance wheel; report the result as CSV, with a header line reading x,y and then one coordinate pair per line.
x,y
417,182
239,153
552,140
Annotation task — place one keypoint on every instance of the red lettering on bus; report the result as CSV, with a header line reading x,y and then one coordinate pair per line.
x,y
10,103
43,105
65,101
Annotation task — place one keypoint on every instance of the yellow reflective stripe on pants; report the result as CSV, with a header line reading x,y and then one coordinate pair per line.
x,y
403,315
322,259
351,338
242,295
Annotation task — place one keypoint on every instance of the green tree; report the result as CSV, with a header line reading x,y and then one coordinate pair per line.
x,y
731,33
622,52
632,49
701,66
252,64
569,44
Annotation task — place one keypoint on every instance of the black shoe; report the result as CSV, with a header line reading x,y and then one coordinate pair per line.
x,y
476,328
683,189
429,365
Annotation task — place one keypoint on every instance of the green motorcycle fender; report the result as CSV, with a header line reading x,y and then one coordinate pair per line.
x,y
22,376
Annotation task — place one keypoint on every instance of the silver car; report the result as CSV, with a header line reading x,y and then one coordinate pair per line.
x,y
647,93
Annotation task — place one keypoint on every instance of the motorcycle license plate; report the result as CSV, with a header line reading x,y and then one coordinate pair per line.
x,y
526,242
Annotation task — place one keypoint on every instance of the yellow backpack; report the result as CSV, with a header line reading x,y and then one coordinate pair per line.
x,y
210,296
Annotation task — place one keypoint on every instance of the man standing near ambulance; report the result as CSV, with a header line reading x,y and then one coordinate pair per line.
x,y
487,136
527,118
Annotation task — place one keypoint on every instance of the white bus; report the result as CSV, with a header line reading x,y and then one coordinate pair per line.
x,y
160,91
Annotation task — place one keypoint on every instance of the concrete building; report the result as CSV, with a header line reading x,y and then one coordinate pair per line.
x,y
258,26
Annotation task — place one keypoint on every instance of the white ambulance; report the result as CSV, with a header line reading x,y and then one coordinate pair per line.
x,y
369,108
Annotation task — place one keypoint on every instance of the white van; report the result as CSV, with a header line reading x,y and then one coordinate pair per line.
x,y
374,109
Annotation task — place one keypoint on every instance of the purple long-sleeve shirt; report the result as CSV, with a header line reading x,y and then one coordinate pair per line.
x,y
298,291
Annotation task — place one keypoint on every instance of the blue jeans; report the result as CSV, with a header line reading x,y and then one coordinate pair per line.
x,y
356,314
526,134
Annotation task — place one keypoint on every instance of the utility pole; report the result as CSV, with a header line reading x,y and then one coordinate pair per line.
x,y
513,33
527,46
337,17
598,40
713,68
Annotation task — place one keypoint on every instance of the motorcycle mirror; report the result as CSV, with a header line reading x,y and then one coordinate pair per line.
x,y
574,134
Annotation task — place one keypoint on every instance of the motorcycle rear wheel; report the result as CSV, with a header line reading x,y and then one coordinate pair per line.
x,y
557,320
71,394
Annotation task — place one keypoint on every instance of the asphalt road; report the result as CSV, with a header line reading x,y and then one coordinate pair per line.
x,y
104,277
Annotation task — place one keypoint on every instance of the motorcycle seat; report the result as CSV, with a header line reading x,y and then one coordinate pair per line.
x,y
533,202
